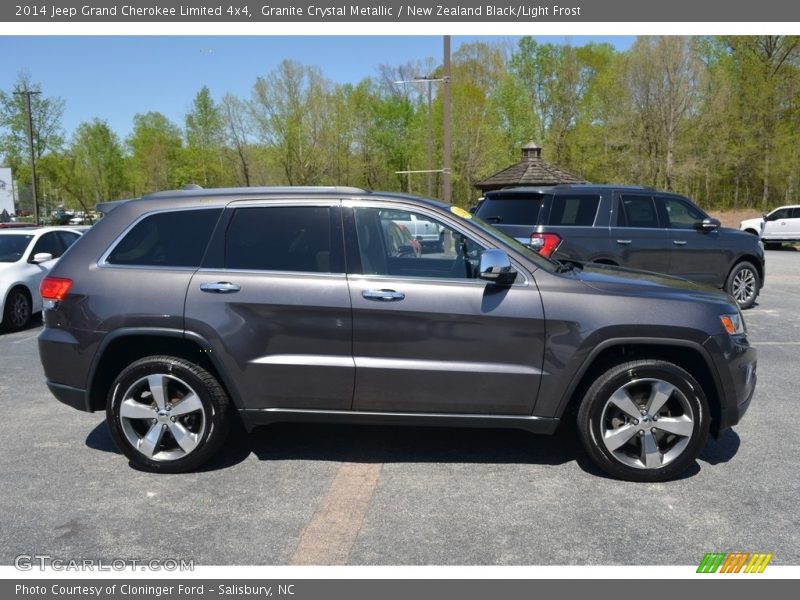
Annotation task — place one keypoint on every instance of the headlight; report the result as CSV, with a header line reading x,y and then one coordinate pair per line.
x,y
733,324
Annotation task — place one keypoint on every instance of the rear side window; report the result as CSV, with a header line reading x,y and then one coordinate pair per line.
x,y
638,211
280,238
516,209
169,239
578,210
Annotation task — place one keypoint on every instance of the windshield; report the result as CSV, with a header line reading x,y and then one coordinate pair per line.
x,y
507,240
12,247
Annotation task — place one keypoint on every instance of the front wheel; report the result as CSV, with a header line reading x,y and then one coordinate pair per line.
x,y
167,414
644,420
743,284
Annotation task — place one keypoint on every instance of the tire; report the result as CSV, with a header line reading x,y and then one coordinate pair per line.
x,y
178,428
743,284
772,245
630,441
18,310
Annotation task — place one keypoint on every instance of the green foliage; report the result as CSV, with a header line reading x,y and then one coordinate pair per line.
x,y
716,118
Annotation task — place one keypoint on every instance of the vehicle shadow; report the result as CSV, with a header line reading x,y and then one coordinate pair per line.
x,y
721,450
392,444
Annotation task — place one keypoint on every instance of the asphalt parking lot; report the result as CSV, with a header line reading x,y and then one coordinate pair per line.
x,y
403,496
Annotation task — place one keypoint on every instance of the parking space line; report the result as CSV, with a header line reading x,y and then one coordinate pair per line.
x,y
32,337
329,537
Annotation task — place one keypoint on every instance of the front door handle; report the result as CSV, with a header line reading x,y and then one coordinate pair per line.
x,y
383,295
221,287
679,242
624,242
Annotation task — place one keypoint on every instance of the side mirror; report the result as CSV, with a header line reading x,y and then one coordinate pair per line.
x,y
41,257
709,224
496,267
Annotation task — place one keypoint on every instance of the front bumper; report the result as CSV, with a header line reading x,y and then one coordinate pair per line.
x,y
736,362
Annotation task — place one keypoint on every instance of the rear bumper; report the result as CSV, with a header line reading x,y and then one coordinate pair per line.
x,y
736,361
74,397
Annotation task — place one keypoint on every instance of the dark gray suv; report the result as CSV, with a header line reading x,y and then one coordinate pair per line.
x,y
180,309
630,226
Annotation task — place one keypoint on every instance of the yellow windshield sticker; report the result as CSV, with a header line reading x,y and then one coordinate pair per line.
x,y
457,210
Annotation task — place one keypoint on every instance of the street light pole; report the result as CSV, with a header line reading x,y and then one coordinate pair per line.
x,y
28,94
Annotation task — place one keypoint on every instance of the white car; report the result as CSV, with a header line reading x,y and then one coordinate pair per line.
x,y
26,255
781,225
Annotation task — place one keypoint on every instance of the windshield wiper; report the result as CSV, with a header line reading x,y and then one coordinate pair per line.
x,y
493,219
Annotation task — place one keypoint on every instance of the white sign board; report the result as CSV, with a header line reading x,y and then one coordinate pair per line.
x,y
6,191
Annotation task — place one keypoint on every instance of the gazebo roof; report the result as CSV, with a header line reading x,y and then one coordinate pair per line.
x,y
531,170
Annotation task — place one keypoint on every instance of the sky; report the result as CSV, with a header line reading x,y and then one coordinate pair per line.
x,y
114,77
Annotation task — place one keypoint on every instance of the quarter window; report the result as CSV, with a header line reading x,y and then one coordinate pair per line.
x,y
280,238
168,239
579,210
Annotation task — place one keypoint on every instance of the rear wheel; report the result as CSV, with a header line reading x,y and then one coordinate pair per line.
x,y
743,284
18,310
167,414
644,420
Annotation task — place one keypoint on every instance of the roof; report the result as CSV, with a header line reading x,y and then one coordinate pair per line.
x,y
532,170
213,195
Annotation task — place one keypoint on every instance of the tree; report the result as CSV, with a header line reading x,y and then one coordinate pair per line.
x,y
236,127
46,114
98,164
204,139
155,145
290,112
661,76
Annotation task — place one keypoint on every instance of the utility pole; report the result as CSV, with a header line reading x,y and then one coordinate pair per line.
x,y
28,94
429,79
447,187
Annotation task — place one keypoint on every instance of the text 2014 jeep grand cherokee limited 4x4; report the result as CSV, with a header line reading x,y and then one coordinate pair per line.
x,y
180,309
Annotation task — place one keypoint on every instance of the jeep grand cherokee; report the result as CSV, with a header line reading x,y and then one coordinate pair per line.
x,y
180,309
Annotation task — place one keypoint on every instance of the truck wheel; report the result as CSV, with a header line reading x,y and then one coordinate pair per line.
x,y
167,414
645,420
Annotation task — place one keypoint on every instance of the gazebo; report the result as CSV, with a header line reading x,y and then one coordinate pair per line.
x,y
531,170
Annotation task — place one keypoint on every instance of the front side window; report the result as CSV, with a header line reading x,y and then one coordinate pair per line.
x,y
48,243
386,247
681,215
280,238
781,213
169,239
638,211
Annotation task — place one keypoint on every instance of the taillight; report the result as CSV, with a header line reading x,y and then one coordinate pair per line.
x,y
55,289
545,243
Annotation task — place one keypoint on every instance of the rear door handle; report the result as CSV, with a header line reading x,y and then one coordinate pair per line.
x,y
221,287
679,242
383,295
624,242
